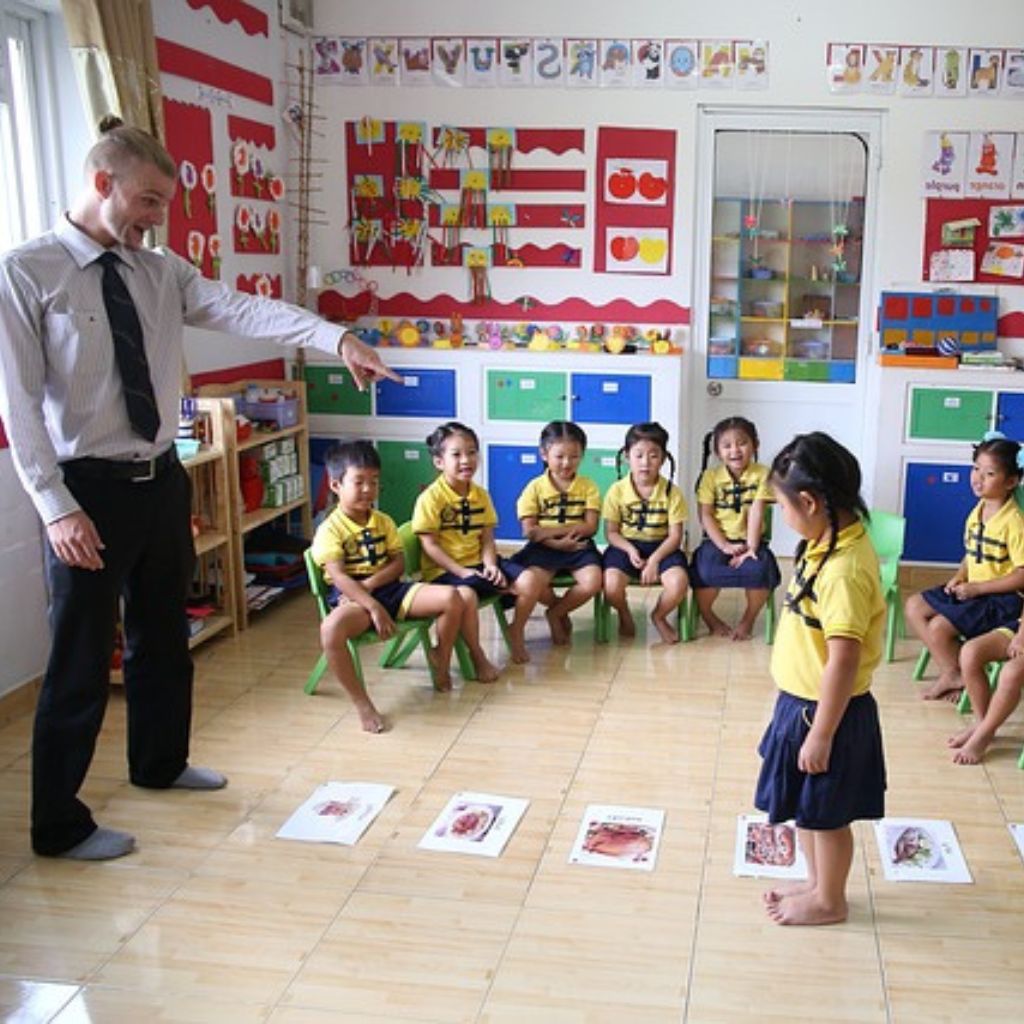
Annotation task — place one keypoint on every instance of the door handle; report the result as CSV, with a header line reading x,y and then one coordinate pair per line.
x,y
714,388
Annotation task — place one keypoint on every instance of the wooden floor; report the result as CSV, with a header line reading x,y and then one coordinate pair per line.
x,y
213,919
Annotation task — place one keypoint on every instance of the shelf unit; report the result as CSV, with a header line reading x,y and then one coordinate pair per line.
x,y
243,522
777,309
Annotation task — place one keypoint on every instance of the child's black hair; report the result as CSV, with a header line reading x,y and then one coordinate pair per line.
x,y
437,439
820,465
562,430
358,454
1004,451
714,435
653,432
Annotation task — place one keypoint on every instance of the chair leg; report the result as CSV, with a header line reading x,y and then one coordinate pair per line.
x,y
688,617
316,675
769,619
602,622
466,667
890,630
398,650
499,614
922,665
992,670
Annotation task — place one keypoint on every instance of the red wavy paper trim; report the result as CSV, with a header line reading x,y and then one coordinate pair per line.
x,y
555,257
256,132
175,59
253,21
248,284
540,179
557,140
1011,325
335,306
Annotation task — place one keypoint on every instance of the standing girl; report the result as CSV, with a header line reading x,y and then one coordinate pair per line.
x,y
732,499
984,592
643,521
559,512
455,519
822,752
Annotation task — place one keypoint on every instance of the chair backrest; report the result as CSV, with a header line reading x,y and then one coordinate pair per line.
x,y
410,549
886,531
317,584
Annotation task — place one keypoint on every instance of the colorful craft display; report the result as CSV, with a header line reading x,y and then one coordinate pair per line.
x,y
544,62
937,324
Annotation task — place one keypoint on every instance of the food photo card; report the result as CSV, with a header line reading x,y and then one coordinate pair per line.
x,y
767,851
337,812
619,837
921,850
476,823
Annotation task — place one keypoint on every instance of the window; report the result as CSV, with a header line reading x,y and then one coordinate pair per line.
x,y
27,146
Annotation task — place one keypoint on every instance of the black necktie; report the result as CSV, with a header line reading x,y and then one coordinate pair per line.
x,y
129,350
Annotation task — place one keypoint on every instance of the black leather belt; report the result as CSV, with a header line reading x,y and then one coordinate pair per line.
x,y
137,472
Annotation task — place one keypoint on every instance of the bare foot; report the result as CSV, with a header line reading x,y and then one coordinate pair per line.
x,y
716,627
627,627
772,896
556,623
486,670
371,719
953,696
442,675
665,629
517,650
973,750
805,908
948,681
959,739
744,630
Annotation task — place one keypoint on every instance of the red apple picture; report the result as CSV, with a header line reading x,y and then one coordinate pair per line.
x,y
621,183
624,248
651,187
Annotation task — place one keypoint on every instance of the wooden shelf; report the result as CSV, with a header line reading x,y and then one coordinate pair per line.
x,y
208,540
261,437
262,516
212,625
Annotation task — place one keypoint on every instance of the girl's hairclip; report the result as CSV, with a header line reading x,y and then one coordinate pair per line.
x,y
993,435
1020,459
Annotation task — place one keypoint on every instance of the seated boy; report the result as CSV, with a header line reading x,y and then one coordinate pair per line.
x,y
361,555
990,709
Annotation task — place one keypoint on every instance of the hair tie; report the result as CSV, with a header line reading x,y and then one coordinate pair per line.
x,y
993,435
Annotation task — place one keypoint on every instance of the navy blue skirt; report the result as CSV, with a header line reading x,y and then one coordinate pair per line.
x,y
851,789
710,569
977,615
390,595
483,588
541,556
616,558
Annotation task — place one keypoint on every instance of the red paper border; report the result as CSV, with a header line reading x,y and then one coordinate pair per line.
x,y
175,59
268,369
549,179
938,211
247,283
256,132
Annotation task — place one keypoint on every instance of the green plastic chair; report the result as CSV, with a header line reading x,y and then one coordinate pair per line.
x,y
603,618
963,706
413,558
409,634
886,531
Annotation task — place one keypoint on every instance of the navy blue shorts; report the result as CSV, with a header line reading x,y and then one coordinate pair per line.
x,y
977,615
541,556
616,558
710,569
483,588
390,595
851,789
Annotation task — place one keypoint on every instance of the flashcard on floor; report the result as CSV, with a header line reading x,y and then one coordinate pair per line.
x,y
1017,831
921,850
767,851
337,812
618,837
476,823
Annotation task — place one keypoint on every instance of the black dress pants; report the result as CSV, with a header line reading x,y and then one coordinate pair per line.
x,y
148,561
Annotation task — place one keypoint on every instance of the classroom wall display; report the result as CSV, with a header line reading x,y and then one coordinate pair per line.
x,y
251,19
633,229
944,164
268,286
980,164
916,70
487,62
941,323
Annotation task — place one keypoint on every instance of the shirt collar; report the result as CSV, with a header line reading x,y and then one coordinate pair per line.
x,y
847,536
85,250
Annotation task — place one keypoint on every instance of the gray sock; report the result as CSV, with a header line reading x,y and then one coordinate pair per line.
x,y
199,778
103,844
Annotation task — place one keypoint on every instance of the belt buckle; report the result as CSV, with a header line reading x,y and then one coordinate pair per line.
x,y
150,475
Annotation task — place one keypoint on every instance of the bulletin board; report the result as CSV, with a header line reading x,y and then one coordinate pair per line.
x,y
941,211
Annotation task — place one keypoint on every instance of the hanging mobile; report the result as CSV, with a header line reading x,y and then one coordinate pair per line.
x,y
409,152
500,144
500,218
478,260
472,199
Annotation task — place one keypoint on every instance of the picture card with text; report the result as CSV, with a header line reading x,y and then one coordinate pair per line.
x,y
619,837
476,823
767,851
337,812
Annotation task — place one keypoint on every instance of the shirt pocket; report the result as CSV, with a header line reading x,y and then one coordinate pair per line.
x,y
78,345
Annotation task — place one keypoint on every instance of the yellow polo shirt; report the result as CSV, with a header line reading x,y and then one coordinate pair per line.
x,y
846,600
457,522
646,519
994,548
543,501
731,499
361,550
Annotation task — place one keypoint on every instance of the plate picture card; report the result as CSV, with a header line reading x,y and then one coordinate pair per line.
x,y
845,67
751,64
989,165
1017,832
337,812
950,71
616,58
619,837
944,165
482,63
383,61
682,63
767,851
1003,259
916,75
984,73
920,850
476,823
581,63
880,68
